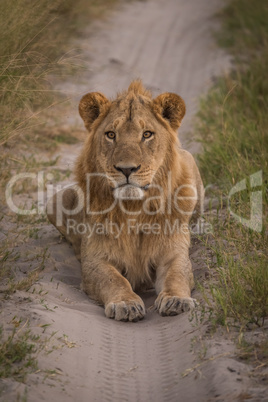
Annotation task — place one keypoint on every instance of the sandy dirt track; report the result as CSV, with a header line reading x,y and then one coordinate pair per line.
x,y
167,43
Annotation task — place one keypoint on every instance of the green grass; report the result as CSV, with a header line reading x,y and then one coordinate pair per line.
x,y
245,28
36,45
10,279
20,348
238,290
233,129
234,126
17,354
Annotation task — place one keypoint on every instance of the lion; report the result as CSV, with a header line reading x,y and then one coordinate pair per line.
x,y
128,215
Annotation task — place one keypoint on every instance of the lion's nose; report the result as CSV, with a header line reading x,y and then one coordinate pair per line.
x,y
127,170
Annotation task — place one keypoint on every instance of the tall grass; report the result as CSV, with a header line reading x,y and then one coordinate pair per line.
x,y
28,56
233,129
35,44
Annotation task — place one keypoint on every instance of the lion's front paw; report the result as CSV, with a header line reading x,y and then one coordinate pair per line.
x,y
173,305
131,310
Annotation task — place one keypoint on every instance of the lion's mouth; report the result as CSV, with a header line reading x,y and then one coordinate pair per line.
x,y
130,191
133,185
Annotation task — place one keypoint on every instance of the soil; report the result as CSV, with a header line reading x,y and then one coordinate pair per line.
x,y
169,44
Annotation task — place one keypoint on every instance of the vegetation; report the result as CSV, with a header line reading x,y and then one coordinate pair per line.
x,y
18,354
35,49
35,44
233,130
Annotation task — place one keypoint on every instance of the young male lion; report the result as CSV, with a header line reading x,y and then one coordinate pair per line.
x,y
128,214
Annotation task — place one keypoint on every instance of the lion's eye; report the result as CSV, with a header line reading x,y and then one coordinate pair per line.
x,y
147,134
110,135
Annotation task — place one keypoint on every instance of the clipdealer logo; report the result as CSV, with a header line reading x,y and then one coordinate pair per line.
x,y
256,214
45,189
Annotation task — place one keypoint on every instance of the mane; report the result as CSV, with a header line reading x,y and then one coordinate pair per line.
x,y
87,163
136,87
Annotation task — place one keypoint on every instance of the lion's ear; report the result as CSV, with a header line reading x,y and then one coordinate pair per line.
x,y
171,107
90,107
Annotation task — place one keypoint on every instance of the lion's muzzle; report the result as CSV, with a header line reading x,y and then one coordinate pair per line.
x,y
129,192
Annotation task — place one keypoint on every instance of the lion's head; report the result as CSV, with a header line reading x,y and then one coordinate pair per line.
x,y
131,139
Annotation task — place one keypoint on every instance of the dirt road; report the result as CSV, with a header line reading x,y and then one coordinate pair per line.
x,y
169,44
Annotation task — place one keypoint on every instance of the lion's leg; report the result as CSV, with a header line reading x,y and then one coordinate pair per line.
x,y
174,282
103,282
65,212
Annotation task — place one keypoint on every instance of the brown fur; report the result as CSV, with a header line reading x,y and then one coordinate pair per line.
x,y
113,267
